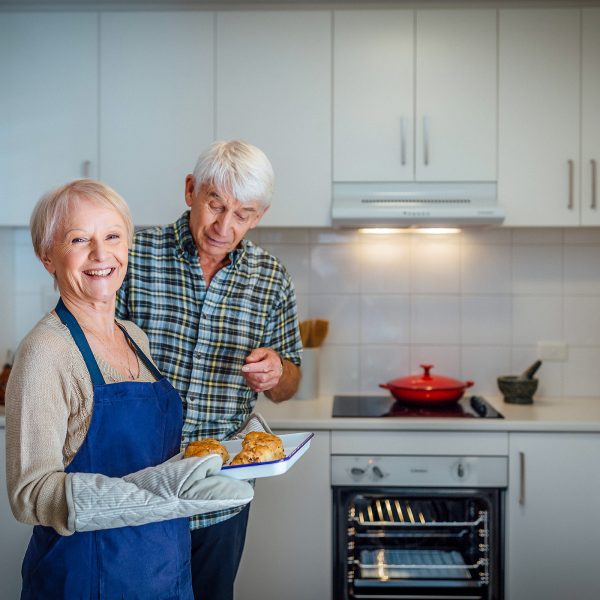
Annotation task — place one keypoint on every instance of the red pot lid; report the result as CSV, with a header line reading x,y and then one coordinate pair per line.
x,y
426,381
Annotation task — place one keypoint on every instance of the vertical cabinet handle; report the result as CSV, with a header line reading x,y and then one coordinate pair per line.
x,y
85,168
522,478
593,204
571,170
402,142
425,141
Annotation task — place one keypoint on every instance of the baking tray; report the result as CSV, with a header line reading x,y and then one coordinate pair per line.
x,y
294,446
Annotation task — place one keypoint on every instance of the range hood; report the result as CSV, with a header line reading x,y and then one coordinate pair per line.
x,y
406,204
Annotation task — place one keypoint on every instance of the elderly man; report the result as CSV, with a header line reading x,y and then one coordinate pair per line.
x,y
220,314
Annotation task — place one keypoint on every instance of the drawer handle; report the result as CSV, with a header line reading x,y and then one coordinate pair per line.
x,y
571,169
593,204
522,478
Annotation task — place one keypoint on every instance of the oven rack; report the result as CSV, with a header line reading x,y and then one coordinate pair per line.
x,y
392,513
400,563
363,522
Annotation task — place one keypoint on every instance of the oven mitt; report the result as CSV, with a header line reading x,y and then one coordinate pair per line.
x,y
180,487
255,422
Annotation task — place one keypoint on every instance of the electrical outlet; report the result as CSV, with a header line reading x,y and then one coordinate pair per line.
x,y
552,351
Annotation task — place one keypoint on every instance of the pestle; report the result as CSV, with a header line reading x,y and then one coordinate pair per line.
x,y
531,371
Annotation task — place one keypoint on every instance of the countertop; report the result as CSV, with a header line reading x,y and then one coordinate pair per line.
x,y
545,414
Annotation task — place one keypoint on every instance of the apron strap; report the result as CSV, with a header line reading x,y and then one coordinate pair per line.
x,y
73,326
141,354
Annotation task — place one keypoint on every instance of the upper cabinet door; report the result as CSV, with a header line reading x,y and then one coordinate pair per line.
x,y
590,130
456,95
48,106
274,91
156,106
539,93
373,95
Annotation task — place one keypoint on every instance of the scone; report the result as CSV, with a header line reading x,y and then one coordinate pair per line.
x,y
207,446
258,453
261,437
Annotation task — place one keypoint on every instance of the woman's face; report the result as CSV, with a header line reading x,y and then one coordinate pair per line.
x,y
89,253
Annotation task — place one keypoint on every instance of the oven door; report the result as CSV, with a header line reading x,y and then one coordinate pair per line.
x,y
417,543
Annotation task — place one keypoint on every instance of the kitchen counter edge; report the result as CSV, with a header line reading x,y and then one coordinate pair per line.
x,y
544,415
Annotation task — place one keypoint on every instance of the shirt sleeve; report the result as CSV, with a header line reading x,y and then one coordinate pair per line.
x,y
37,414
122,304
281,331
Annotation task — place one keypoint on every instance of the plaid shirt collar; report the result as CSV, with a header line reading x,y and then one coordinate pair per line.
x,y
187,247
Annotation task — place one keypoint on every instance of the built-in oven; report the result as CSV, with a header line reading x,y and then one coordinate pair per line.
x,y
416,527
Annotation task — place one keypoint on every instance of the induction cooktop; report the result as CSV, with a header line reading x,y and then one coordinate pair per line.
x,y
387,406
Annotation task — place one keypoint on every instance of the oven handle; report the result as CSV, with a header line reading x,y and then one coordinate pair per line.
x,y
522,478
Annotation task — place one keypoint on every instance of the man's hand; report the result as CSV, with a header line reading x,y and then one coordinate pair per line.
x,y
263,369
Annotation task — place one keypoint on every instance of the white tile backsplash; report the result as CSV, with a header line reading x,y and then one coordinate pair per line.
x,y
486,319
537,269
435,319
385,319
475,304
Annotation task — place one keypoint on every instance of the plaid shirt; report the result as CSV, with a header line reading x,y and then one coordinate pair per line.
x,y
199,336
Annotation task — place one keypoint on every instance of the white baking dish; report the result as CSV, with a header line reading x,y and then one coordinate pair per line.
x,y
294,445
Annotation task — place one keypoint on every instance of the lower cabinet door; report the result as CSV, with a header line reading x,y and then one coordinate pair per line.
x,y
553,520
287,555
14,537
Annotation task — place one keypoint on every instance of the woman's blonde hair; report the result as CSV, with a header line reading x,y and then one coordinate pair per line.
x,y
53,206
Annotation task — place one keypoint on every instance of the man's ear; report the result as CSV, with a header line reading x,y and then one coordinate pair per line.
x,y
190,189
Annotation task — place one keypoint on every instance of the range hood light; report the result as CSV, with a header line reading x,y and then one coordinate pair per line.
x,y
383,230
394,230
436,230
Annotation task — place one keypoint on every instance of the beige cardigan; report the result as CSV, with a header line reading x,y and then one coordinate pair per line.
x,y
49,403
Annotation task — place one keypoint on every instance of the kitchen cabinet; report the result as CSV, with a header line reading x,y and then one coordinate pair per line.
x,y
553,522
156,106
590,117
274,90
14,537
48,105
288,551
415,95
546,141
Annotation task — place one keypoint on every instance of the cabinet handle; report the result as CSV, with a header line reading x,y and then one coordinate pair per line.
x,y
402,142
521,478
571,169
425,141
594,184
85,168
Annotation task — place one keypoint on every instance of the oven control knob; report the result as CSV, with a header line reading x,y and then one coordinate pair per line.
x,y
461,470
357,471
377,472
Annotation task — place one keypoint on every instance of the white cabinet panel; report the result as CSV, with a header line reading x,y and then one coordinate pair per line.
x,y
274,91
373,104
14,537
590,130
156,106
553,522
288,552
48,106
539,95
456,95
415,95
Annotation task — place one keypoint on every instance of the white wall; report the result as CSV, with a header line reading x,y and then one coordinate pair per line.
x,y
473,304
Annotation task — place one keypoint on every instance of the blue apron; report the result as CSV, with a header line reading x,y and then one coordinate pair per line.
x,y
134,425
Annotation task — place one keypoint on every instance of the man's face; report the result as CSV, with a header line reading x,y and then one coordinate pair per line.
x,y
218,221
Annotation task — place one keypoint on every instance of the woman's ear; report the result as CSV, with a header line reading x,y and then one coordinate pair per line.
x,y
48,263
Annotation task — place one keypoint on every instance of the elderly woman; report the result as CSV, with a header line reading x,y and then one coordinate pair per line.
x,y
94,430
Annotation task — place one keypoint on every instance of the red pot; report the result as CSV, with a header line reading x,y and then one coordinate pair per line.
x,y
426,388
